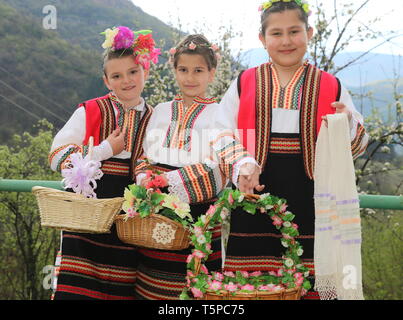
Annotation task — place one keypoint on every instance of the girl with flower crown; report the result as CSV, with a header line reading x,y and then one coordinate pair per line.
x,y
178,143
278,108
100,266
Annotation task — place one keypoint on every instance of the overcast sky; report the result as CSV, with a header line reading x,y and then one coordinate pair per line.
x,y
207,16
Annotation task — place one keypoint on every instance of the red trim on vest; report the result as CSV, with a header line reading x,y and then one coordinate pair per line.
x,y
92,120
328,91
247,110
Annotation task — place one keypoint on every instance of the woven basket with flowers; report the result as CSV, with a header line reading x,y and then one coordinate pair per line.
x,y
154,219
288,283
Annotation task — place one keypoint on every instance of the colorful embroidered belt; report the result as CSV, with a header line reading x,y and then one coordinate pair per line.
x,y
285,145
115,168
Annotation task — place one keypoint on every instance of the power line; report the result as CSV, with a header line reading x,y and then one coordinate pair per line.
x,y
33,89
37,104
20,107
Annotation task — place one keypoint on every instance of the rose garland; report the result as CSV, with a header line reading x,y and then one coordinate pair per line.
x,y
293,273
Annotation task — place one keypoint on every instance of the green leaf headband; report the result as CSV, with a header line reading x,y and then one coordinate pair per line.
x,y
302,3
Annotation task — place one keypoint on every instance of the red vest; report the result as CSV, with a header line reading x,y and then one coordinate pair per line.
x,y
319,91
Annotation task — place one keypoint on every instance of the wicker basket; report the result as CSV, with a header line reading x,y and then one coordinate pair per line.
x,y
284,294
154,231
288,294
74,212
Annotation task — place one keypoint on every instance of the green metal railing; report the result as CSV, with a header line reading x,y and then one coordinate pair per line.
x,y
366,201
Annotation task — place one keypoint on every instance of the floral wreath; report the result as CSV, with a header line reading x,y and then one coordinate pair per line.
x,y
193,46
302,3
293,273
141,42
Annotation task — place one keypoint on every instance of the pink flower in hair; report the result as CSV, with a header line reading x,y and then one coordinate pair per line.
x,y
124,38
192,46
172,51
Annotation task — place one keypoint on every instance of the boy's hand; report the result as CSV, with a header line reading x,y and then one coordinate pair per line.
x,y
117,141
340,108
248,180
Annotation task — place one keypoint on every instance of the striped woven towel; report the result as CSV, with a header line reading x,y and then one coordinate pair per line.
x,y
337,249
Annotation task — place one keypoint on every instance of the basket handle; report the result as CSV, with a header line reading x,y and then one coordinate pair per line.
x,y
197,261
90,146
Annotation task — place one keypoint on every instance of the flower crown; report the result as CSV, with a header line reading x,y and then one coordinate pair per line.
x,y
192,46
302,3
141,42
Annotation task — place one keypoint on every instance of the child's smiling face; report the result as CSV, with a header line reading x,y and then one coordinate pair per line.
x,y
286,38
126,79
193,76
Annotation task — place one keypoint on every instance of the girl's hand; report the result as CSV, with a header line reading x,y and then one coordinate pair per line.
x,y
248,180
117,141
340,108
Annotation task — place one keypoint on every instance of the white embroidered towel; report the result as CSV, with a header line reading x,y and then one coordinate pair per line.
x,y
337,247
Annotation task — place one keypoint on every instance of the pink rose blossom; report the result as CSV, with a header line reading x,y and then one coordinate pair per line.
x,y
283,208
204,269
218,276
196,293
172,51
256,274
248,287
198,231
229,274
211,210
215,285
198,254
245,274
231,287
277,221
192,46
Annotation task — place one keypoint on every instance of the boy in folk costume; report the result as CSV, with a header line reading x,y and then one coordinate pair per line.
x,y
100,266
278,109
177,143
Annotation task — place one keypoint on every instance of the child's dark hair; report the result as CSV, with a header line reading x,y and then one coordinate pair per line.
x,y
110,55
281,7
196,44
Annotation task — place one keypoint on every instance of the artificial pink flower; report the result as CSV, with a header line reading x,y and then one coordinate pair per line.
x,y
124,38
198,254
211,210
248,287
256,274
172,51
198,231
295,226
229,274
204,269
231,199
214,47
245,274
218,276
277,221
231,287
215,285
192,46
272,273
208,246
197,293
189,258
283,208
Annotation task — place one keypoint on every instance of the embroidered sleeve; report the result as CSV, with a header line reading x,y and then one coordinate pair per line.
x,y
358,134
196,183
231,155
69,140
